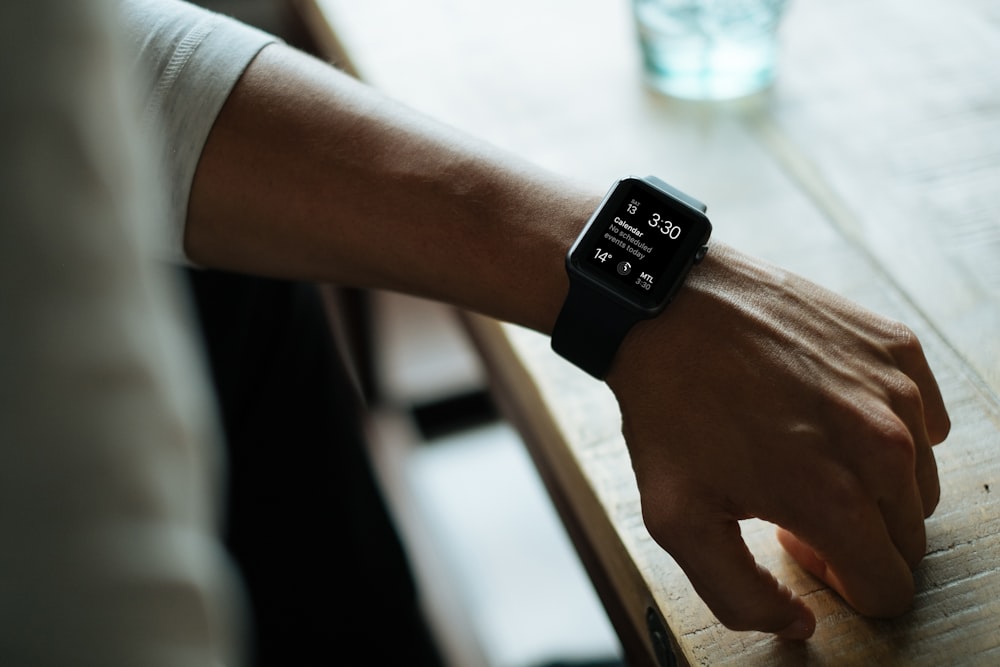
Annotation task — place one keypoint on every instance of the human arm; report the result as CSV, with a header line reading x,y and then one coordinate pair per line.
x,y
328,170
351,188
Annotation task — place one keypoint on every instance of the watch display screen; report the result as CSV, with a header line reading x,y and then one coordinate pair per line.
x,y
635,238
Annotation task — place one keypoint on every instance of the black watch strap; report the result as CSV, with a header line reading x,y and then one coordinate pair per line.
x,y
605,322
683,196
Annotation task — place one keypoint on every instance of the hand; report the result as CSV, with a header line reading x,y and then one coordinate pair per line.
x,y
760,394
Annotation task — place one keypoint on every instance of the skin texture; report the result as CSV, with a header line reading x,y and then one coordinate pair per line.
x,y
823,426
810,412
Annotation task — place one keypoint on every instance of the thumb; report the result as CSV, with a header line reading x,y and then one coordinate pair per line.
x,y
742,594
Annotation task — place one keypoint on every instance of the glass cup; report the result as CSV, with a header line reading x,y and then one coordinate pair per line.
x,y
709,49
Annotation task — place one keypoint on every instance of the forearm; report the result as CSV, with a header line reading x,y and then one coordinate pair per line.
x,y
308,174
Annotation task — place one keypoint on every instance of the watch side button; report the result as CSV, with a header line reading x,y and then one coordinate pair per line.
x,y
700,254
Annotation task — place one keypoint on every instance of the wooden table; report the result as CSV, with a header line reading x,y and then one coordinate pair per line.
x,y
872,167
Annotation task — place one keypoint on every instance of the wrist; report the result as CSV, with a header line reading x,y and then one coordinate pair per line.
x,y
626,266
674,335
540,289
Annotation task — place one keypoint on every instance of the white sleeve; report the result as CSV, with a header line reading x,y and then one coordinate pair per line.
x,y
110,462
189,59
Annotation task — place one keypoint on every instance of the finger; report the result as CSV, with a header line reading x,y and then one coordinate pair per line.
x,y
742,594
851,551
803,554
904,520
909,356
908,405
890,474
871,604
928,481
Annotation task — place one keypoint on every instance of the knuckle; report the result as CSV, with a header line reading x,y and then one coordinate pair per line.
x,y
897,449
942,428
669,524
902,338
905,395
892,450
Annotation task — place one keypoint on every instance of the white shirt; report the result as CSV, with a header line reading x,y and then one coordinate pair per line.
x,y
110,464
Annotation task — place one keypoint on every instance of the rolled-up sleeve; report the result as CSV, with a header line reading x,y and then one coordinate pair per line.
x,y
187,61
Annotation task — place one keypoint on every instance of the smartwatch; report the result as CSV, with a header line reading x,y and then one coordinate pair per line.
x,y
627,265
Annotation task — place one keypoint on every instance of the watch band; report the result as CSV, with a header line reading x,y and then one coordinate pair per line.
x,y
604,319
606,322
677,194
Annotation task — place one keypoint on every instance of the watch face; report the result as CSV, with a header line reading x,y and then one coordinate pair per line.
x,y
640,243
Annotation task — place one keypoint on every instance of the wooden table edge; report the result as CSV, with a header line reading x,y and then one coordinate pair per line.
x,y
617,581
